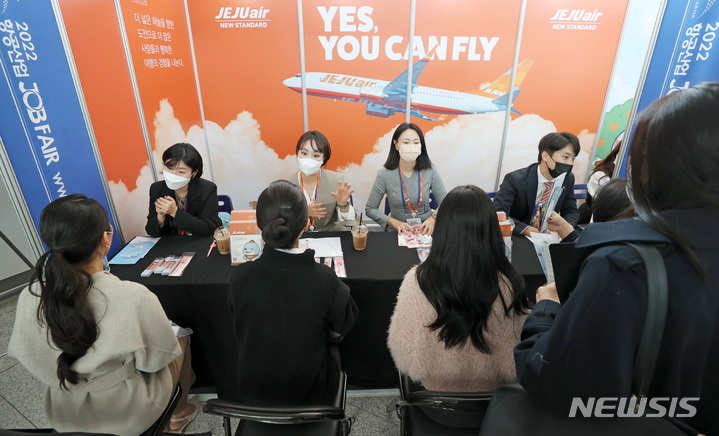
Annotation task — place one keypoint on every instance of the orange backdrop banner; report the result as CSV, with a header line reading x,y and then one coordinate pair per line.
x,y
159,43
245,49
356,52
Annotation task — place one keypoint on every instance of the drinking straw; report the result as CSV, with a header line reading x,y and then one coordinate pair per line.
x,y
360,218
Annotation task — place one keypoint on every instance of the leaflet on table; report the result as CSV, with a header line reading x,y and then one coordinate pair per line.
x,y
172,266
414,239
541,243
551,202
337,263
324,247
134,251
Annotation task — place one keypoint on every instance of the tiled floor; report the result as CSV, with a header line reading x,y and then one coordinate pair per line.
x,y
22,397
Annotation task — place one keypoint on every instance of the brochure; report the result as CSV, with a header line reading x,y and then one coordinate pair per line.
x,y
414,239
554,195
134,251
541,243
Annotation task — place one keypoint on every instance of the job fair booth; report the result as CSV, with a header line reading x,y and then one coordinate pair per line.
x,y
96,90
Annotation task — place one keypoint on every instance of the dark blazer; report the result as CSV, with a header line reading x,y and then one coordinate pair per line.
x,y
587,347
518,192
201,217
282,306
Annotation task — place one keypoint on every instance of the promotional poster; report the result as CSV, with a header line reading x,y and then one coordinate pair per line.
x,y
356,54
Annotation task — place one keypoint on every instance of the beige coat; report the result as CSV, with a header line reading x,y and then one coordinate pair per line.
x,y
126,383
418,352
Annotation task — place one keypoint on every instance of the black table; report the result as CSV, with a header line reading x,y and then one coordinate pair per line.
x,y
198,300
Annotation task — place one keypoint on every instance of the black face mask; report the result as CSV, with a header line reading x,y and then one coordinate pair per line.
x,y
559,168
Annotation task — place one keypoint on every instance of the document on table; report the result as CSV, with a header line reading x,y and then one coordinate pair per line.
x,y
134,251
324,247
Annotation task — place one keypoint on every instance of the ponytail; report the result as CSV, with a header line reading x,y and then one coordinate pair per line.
x,y
72,227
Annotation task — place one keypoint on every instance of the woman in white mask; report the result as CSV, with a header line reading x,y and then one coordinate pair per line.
x,y
326,193
182,204
407,179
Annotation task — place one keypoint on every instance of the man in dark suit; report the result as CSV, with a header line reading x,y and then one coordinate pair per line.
x,y
521,190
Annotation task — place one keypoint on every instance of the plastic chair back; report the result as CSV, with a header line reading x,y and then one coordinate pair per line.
x,y
580,192
422,412
327,420
159,425
224,203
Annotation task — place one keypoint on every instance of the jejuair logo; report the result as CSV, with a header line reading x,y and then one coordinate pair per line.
x,y
611,407
242,13
576,15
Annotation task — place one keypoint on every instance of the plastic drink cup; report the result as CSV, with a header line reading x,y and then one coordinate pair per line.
x,y
359,237
222,237
506,228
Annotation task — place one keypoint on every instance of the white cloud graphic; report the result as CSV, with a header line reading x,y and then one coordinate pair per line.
x,y
132,206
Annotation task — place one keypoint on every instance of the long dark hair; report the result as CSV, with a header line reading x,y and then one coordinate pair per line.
x,y
673,157
281,214
422,162
461,276
607,164
612,202
72,228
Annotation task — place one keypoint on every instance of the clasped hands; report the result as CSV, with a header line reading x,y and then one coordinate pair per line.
x,y
165,206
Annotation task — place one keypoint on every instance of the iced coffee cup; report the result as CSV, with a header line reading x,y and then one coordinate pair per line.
x,y
222,237
359,237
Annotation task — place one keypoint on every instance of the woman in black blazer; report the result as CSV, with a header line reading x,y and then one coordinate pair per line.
x,y
182,204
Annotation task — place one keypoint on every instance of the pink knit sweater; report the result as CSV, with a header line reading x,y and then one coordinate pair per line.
x,y
418,352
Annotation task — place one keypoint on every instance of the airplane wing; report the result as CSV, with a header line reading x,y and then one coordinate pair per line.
x,y
398,86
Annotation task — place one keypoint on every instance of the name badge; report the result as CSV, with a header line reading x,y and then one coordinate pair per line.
x,y
414,221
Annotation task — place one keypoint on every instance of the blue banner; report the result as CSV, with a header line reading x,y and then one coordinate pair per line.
x,y
684,54
42,123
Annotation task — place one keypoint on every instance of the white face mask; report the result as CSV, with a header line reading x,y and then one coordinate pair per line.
x,y
175,182
410,152
309,166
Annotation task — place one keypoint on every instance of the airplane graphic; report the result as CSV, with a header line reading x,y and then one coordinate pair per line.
x,y
384,98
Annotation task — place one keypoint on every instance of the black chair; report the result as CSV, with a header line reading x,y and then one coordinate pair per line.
x,y
159,425
224,203
286,420
580,192
422,412
25,432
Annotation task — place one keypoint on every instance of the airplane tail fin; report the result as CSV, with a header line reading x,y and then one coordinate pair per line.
x,y
501,86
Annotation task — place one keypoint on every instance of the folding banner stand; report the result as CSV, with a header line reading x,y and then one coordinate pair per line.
x,y
681,56
46,130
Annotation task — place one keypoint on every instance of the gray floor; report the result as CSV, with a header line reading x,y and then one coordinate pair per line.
x,y
22,397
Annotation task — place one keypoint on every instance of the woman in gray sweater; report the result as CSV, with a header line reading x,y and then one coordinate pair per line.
x,y
407,179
